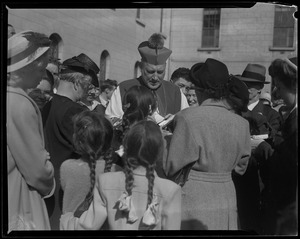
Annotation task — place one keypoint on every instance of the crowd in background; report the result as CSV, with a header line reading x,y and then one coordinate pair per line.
x,y
204,150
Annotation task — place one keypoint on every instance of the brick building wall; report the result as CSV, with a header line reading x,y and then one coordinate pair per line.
x,y
92,31
246,35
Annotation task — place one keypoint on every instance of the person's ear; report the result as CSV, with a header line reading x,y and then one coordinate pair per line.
x,y
107,91
76,85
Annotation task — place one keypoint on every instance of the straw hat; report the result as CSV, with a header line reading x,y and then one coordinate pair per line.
x,y
24,48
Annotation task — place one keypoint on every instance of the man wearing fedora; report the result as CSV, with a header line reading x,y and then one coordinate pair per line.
x,y
153,66
254,77
264,120
77,75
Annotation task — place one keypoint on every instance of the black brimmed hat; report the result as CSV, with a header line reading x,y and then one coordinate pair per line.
x,y
81,63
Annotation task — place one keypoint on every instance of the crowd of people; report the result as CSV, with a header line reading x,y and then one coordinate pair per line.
x,y
204,150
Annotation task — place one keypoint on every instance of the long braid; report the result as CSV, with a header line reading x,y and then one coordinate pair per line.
x,y
92,165
92,138
129,179
109,160
125,125
150,176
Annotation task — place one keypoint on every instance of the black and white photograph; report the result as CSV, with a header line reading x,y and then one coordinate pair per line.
x,y
147,119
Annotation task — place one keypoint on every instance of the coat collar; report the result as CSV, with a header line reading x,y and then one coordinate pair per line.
x,y
212,102
16,90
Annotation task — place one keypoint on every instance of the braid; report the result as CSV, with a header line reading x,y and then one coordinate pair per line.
x,y
129,178
125,124
109,160
92,165
150,176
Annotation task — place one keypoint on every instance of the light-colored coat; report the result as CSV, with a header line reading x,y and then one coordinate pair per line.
x,y
75,181
109,188
29,172
218,141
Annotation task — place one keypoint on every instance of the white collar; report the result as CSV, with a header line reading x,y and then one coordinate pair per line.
x,y
103,101
252,105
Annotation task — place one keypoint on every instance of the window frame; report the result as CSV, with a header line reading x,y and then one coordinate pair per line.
x,y
212,23
138,17
281,13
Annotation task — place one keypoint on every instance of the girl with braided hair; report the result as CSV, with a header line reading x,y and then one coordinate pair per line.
x,y
92,140
136,198
139,103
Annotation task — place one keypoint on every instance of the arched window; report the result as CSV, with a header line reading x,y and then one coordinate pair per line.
x,y
104,65
56,47
137,70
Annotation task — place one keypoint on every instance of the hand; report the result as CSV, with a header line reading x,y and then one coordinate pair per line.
x,y
48,156
116,121
166,132
151,118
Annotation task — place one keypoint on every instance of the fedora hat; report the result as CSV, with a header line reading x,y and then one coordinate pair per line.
x,y
153,50
254,73
83,64
24,48
211,74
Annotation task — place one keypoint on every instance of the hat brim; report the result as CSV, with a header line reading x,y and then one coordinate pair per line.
x,y
26,61
251,80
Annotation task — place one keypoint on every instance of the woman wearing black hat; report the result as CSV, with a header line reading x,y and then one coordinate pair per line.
x,y
211,140
76,76
281,188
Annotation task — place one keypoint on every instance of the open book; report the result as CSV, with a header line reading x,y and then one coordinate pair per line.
x,y
260,136
168,119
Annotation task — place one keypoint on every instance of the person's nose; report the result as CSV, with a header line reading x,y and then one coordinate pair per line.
x,y
155,76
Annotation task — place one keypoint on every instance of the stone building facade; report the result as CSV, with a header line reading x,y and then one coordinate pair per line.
x,y
111,36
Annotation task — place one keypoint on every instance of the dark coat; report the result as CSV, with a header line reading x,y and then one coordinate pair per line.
x,y
168,95
282,182
263,120
272,118
58,129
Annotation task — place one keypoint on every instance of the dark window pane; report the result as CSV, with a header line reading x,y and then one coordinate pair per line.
x,y
211,26
283,27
